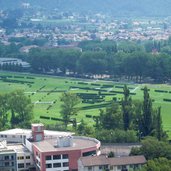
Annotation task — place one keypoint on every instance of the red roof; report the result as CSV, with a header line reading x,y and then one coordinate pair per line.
x,y
116,161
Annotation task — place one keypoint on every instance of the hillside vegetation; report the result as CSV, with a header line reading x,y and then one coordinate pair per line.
x,y
116,7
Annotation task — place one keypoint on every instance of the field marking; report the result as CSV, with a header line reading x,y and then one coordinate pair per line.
x,y
30,92
110,89
50,102
136,88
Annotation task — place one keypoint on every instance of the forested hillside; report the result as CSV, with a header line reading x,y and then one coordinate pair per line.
x,y
116,7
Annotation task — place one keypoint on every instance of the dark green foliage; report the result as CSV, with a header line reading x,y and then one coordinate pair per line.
x,y
69,106
111,154
84,129
126,108
147,115
152,148
20,107
116,136
159,164
111,118
167,100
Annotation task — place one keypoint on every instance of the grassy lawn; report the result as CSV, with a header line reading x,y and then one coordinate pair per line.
x,y
45,92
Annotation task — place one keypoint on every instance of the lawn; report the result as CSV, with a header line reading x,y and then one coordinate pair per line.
x,y
45,92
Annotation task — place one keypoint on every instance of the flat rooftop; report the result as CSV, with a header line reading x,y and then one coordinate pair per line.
x,y
28,132
79,143
19,148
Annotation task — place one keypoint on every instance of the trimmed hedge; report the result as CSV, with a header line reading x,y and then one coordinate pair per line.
x,y
17,81
83,83
161,91
44,117
94,84
167,100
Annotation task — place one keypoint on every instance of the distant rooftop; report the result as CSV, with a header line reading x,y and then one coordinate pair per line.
x,y
18,131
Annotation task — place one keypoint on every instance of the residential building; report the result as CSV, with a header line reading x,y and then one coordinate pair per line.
x,y
101,163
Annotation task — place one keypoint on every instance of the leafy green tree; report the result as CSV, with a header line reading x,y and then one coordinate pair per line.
x,y
68,106
84,129
152,148
159,164
21,108
111,118
4,107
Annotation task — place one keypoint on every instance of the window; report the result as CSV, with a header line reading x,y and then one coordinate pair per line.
x,y
55,157
89,168
20,165
65,156
65,164
20,158
90,153
119,167
48,165
57,165
2,136
6,157
48,158
12,157
28,164
27,157
7,164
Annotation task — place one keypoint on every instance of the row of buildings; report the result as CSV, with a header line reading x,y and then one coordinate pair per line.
x,y
43,150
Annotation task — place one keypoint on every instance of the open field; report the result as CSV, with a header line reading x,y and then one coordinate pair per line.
x,y
45,92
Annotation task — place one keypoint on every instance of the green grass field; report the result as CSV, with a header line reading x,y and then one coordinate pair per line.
x,y
45,92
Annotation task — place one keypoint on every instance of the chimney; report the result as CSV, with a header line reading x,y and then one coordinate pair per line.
x,y
38,132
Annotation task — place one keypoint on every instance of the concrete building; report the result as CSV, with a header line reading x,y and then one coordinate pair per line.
x,y
24,157
14,61
8,158
20,135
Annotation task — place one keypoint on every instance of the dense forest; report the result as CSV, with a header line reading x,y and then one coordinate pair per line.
x,y
115,7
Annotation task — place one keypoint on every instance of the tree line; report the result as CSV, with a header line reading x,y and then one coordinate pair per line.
x,y
133,61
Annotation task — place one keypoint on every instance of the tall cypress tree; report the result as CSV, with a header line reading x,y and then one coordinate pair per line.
x,y
126,108
147,114
159,130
